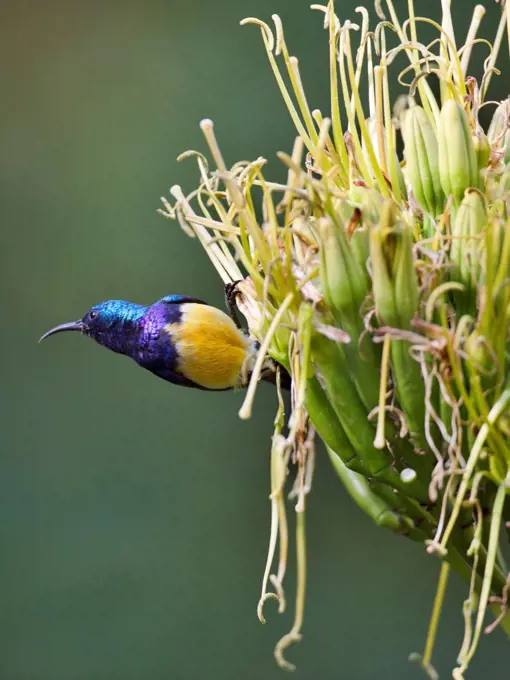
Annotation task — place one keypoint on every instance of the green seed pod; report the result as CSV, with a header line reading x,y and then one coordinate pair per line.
x,y
458,168
500,240
504,183
478,352
360,249
394,276
428,226
344,284
499,120
382,280
395,286
422,160
482,150
467,246
499,131
481,356
343,209
357,232
406,280
368,200
402,181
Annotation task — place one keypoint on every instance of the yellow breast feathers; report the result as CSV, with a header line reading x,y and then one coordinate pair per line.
x,y
211,350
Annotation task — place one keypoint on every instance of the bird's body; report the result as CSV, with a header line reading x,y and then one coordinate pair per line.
x,y
180,339
211,350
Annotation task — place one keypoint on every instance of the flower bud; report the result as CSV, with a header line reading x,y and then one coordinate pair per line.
x,y
422,160
478,353
356,230
458,169
343,209
344,284
482,150
482,359
504,183
360,249
500,241
427,226
372,127
368,200
499,131
406,280
467,246
394,276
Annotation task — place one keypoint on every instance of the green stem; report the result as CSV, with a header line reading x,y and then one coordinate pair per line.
x,y
488,574
352,415
328,426
435,616
373,505
493,416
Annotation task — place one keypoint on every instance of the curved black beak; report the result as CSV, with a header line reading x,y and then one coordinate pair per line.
x,y
72,326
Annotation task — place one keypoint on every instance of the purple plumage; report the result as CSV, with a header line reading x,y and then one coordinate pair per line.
x,y
138,332
180,339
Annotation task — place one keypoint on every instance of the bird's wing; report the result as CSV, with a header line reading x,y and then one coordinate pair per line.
x,y
173,376
181,299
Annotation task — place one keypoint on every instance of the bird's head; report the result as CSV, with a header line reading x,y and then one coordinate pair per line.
x,y
104,322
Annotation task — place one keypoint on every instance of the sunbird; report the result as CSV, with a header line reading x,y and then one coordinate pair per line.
x,y
181,339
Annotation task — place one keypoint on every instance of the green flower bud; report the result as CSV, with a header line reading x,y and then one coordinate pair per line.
x,y
356,230
458,169
396,294
482,359
482,149
360,249
343,209
498,190
428,226
504,183
478,352
499,132
467,244
368,200
422,160
498,233
406,280
393,273
344,284
372,127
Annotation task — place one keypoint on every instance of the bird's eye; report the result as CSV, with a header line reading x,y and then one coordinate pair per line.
x,y
93,314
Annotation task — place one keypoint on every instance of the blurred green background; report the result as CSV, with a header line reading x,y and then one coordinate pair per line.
x,y
135,514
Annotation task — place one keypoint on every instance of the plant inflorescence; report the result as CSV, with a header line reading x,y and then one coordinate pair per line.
x,y
378,276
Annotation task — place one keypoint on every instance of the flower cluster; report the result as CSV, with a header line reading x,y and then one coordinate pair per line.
x,y
379,280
